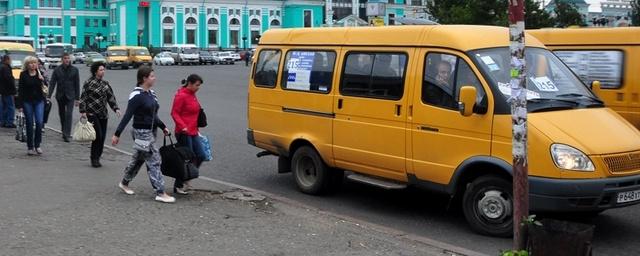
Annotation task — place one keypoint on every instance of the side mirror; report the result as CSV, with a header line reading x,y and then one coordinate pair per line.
x,y
467,100
596,87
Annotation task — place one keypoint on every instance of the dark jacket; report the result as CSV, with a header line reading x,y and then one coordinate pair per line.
x,y
96,94
143,107
7,81
29,89
67,80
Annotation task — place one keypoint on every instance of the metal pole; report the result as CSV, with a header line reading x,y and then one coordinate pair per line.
x,y
518,102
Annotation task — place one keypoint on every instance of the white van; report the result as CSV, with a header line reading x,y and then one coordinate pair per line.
x,y
185,54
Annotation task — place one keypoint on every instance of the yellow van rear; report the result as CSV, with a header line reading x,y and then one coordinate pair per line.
x,y
18,52
608,55
139,55
427,106
117,56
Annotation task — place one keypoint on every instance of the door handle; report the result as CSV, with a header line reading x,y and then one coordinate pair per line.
x,y
339,103
398,110
427,128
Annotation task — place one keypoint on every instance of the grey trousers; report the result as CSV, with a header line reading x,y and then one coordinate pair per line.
x,y
152,159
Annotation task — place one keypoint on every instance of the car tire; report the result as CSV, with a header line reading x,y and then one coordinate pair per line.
x,y
311,174
488,206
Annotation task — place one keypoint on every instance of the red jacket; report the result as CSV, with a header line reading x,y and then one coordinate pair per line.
x,y
185,111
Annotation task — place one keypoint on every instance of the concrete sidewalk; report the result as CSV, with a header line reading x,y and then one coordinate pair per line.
x,y
56,204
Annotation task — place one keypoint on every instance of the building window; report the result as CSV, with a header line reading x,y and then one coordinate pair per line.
x,y
96,4
87,40
164,9
41,3
50,21
392,19
73,40
191,20
230,11
42,22
208,11
59,39
318,65
87,23
238,12
167,20
167,36
271,13
186,11
212,21
266,72
275,23
234,38
255,22
27,3
104,4
216,11
194,10
251,12
104,23
254,37
73,22
307,19
27,21
258,12
73,4
191,36
213,36
58,22
374,75
95,23
277,12
171,10
87,4
234,21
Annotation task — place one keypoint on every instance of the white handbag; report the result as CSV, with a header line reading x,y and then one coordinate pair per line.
x,y
83,131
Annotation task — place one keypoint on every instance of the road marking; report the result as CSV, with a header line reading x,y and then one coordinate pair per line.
x,y
447,249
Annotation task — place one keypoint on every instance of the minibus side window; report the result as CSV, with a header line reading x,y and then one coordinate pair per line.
x,y
374,75
601,65
267,68
308,71
444,75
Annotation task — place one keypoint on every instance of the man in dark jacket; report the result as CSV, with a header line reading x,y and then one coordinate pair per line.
x,y
7,93
67,79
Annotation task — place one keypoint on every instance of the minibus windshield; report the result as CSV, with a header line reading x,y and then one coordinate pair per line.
x,y
141,52
550,84
190,50
117,53
17,58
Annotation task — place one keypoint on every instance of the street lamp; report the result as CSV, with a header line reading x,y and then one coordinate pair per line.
x,y
244,41
41,41
50,37
99,39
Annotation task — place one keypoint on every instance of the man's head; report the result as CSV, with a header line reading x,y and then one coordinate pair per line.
x,y
66,59
6,59
444,72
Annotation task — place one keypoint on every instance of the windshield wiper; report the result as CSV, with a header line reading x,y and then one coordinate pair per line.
x,y
598,101
545,100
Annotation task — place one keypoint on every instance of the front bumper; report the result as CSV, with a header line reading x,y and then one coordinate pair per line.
x,y
579,195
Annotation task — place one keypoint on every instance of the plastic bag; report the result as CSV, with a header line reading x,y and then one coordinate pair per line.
x,y
206,147
83,131
21,128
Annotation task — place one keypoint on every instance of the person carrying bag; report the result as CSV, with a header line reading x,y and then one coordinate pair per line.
x,y
177,161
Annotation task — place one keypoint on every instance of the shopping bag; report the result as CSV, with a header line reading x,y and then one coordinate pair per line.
x,y
21,128
83,131
206,147
177,161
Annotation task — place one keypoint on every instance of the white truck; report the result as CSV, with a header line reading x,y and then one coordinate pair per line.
x,y
185,54
53,53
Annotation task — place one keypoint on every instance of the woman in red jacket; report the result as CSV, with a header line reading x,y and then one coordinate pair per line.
x,y
185,112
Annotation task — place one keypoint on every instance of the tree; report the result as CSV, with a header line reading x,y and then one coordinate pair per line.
x,y
635,12
536,17
567,15
478,12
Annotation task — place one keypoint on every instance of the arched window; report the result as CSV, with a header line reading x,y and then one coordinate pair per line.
x,y
212,21
255,22
275,23
234,21
191,20
167,20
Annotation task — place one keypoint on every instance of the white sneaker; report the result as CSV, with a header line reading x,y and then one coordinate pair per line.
x,y
31,152
39,151
125,189
165,198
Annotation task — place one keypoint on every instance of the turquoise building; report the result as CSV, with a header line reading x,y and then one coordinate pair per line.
x,y
214,24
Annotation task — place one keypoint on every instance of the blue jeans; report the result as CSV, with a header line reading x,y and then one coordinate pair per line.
x,y
7,110
34,111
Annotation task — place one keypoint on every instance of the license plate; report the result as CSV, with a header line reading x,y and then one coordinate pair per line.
x,y
630,196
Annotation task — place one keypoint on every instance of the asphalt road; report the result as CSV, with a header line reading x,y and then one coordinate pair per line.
x,y
224,98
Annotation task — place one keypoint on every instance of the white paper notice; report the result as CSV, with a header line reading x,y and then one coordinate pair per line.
x,y
300,65
544,84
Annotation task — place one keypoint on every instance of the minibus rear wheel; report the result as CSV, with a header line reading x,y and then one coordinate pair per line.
x,y
488,206
312,175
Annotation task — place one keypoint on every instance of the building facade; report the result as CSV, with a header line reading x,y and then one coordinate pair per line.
x,y
226,24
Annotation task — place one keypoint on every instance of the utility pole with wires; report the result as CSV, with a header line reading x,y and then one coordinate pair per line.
x,y
518,102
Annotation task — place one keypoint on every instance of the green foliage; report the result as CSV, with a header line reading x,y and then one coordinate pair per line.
x,y
514,253
531,220
536,17
567,15
477,12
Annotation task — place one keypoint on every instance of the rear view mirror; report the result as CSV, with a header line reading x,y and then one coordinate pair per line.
x,y
467,100
596,87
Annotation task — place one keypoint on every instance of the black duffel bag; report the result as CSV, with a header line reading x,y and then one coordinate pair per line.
x,y
177,161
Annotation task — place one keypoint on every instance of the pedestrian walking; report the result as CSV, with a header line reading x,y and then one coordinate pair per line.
x,y
143,108
7,94
185,111
31,100
247,58
67,80
96,95
47,103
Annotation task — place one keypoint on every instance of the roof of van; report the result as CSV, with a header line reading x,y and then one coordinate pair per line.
x,y
110,48
15,46
588,36
461,37
137,47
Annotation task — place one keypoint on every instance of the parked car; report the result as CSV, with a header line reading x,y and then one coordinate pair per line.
x,y
79,57
206,57
163,58
223,58
94,57
236,56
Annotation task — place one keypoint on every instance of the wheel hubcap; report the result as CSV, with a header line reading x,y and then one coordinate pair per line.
x,y
494,206
307,171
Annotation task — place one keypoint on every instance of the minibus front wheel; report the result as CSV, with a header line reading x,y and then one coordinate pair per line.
x,y
312,175
488,206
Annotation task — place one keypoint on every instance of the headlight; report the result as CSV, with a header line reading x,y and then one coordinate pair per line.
x,y
569,158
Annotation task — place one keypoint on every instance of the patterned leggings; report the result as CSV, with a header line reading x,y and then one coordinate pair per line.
x,y
151,158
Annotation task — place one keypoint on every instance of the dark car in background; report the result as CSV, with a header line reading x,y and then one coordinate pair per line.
x,y
206,58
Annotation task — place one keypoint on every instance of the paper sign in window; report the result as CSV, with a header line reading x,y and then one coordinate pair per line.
x,y
544,84
299,67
